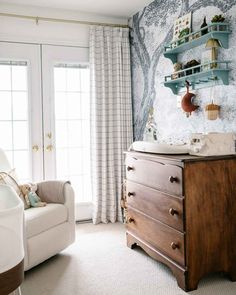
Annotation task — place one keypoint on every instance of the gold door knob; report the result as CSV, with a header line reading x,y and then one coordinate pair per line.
x,y
49,148
49,135
35,148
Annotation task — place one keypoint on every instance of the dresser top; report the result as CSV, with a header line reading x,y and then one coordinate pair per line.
x,y
179,158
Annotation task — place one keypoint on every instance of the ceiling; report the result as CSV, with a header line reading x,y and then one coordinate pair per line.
x,y
115,8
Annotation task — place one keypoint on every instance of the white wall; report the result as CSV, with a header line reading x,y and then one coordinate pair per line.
x,y
21,30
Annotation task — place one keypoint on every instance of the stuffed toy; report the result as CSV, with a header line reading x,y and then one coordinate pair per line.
x,y
25,189
30,196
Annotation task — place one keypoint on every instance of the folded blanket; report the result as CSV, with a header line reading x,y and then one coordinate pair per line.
x,y
52,191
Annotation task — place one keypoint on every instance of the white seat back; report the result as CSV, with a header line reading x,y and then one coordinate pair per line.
x,y
4,163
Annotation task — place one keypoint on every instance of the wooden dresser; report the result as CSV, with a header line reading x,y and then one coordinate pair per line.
x,y
182,211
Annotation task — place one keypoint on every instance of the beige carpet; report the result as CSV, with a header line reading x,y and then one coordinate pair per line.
x,y
99,263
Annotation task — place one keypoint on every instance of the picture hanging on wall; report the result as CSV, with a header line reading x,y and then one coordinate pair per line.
x,y
182,26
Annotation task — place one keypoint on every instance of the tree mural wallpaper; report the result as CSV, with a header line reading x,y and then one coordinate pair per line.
x,y
152,29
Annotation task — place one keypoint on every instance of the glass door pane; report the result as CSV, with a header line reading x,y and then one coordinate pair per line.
x,y
72,126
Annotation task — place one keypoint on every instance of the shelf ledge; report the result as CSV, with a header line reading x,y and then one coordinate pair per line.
x,y
202,78
218,31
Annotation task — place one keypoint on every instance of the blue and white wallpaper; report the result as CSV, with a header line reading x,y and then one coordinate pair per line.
x,y
151,29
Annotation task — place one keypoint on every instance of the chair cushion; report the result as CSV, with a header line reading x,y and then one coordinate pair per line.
x,y
43,218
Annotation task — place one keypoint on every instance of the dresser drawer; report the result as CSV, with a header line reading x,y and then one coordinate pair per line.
x,y
161,176
167,240
156,204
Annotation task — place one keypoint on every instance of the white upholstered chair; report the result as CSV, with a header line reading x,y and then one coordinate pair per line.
x,y
48,230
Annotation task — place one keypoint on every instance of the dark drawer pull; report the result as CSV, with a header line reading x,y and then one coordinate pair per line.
x,y
172,212
130,220
129,168
174,246
173,179
131,194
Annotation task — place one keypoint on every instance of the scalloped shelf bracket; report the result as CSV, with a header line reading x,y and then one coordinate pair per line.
x,y
224,76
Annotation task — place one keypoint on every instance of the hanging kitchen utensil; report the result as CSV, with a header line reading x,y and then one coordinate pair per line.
x,y
212,111
186,102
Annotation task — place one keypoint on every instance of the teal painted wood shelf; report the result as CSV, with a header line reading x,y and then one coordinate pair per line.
x,y
218,31
204,75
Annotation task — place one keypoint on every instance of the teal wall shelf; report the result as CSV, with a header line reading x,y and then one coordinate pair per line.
x,y
204,75
218,31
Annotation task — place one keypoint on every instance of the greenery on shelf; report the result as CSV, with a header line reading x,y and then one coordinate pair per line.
x,y
185,36
218,19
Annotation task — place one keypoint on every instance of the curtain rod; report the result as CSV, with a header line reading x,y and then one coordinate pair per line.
x,y
48,19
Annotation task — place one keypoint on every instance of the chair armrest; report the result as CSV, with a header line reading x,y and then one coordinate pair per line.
x,y
54,191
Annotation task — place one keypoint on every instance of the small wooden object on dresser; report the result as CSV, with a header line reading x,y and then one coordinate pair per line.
x,y
182,212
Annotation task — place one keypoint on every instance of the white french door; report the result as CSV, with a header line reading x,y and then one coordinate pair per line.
x,y
44,115
65,73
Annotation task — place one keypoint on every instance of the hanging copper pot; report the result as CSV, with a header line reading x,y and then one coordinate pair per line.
x,y
186,102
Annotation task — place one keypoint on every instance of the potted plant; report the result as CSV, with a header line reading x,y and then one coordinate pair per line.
x,y
218,19
183,33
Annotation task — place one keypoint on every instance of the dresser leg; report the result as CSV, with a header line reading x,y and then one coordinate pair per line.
x,y
180,278
183,281
131,243
232,276
192,281
179,272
